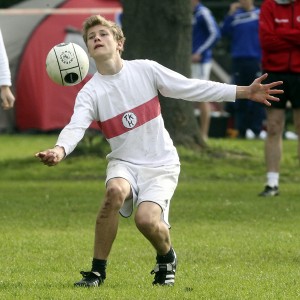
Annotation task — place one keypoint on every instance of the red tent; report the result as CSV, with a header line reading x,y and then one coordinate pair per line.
x,y
41,104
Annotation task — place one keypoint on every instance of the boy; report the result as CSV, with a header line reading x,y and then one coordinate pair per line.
x,y
143,166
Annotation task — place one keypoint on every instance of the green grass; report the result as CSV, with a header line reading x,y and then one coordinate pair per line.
x,y
230,243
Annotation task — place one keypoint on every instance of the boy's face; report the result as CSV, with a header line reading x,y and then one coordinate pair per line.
x,y
101,42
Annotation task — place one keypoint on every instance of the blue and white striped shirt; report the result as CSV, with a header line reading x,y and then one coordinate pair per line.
x,y
242,29
205,32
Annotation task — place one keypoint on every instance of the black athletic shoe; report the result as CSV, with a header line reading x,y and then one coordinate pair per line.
x,y
269,191
165,273
89,279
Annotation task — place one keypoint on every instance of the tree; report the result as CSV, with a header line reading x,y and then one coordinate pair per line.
x,y
161,30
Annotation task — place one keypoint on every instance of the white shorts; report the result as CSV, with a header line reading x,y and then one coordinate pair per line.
x,y
201,70
153,184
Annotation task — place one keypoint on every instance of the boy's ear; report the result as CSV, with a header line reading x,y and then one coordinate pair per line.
x,y
120,46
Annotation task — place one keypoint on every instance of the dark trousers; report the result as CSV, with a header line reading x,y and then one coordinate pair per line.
x,y
247,114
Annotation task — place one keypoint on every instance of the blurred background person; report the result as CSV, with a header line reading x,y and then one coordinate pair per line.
x,y
204,36
7,96
240,25
279,30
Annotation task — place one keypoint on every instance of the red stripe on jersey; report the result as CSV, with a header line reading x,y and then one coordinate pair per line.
x,y
130,119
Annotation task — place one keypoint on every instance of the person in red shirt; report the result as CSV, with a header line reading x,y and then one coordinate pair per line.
x,y
279,30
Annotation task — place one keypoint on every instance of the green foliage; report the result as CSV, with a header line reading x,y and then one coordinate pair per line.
x,y
231,244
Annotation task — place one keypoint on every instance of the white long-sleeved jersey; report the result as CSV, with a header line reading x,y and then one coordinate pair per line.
x,y
5,77
127,109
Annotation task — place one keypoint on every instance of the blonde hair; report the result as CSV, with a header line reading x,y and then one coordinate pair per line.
x,y
99,20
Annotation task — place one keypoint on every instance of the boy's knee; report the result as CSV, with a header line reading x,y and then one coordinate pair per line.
x,y
146,221
148,216
114,198
114,192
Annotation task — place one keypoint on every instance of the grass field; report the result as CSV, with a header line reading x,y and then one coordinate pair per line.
x,y
231,244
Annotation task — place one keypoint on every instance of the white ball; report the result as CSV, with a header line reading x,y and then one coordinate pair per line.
x,y
67,64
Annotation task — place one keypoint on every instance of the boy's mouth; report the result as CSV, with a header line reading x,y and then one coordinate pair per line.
x,y
98,46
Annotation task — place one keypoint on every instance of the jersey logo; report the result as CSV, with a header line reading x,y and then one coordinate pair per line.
x,y
281,20
129,120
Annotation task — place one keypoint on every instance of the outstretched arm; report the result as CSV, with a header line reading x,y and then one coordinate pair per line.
x,y
259,92
51,157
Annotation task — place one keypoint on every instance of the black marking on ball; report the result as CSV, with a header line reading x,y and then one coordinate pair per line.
x,y
77,62
71,78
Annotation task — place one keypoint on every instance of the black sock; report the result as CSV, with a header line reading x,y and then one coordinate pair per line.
x,y
99,265
167,258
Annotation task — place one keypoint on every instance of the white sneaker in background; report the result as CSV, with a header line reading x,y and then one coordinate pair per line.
x,y
250,134
289,135
263,135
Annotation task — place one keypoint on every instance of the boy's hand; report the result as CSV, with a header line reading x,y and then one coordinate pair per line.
x,y
51,157
258,92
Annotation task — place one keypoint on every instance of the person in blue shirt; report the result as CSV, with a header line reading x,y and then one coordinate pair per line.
x,y
205,34
240,25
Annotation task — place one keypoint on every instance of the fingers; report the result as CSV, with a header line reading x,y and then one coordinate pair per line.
x,y
272,98
5,104
264,92
261,78
268,85
39,155
266,102
8,98
273,84
275,92
48,157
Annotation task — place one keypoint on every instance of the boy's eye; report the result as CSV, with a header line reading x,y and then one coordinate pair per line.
x,y
101,34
